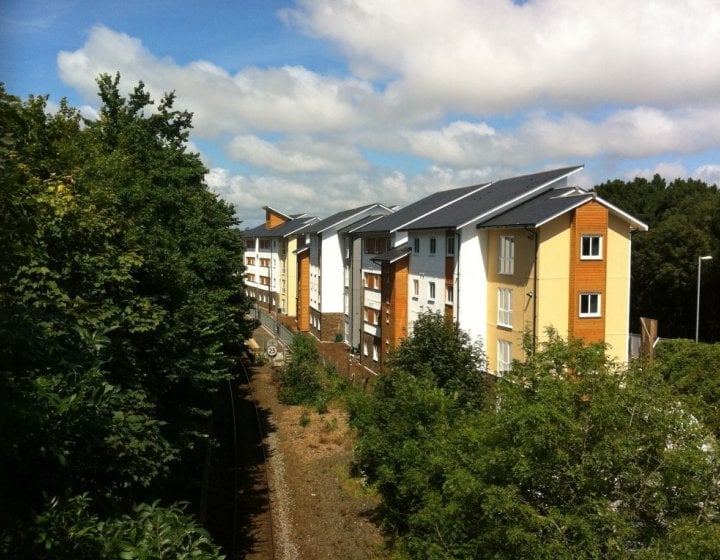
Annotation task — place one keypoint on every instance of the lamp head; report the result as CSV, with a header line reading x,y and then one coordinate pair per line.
x,y
706,258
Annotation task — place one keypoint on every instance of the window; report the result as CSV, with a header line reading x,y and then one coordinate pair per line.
x,y
507,254
265,280
433,245
376,351
450,246
416,288
265,244
416,245
372,281
590,305
376,245
365,347
431,290
449,294
372,316
504,307
250,261
504,356
591,247
265,263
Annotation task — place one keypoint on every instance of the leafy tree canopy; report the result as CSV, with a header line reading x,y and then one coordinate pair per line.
x,y
575,458
121,309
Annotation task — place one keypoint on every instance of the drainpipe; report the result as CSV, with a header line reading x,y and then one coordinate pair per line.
x,y
536,236
458,238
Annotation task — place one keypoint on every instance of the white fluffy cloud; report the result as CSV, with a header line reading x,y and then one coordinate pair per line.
x,y
296,154
470,90
287,99
496,55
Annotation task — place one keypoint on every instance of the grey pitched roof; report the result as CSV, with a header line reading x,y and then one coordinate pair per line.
x,y
494,197
353,227
339,218
283,230
540,209
394,254
422,207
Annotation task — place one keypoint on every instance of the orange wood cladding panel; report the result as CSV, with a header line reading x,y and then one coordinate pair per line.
x,y
588,276
395,304
449,269
272,219
303,305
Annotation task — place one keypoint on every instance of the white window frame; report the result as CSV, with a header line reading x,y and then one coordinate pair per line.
x,y
449,294
507,254
376,352
504,356
595,251
585,302
416,245
416,287
433,245
504,305
450,246
431,291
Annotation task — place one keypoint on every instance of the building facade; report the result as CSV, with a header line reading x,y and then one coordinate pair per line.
x,y
506,260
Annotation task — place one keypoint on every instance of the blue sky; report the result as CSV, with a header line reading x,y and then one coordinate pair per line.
x,y
319,105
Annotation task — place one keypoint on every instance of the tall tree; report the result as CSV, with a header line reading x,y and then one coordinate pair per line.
x,y
121,309
575,458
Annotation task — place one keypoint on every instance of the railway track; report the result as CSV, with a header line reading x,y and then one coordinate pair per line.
x,y
238,501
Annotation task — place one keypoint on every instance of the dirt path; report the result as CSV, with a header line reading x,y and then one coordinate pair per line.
x,y
318,510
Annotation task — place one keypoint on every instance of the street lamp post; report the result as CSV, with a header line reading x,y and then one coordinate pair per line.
x,y
697,312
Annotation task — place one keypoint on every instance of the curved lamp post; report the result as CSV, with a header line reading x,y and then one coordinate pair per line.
x,y
697,313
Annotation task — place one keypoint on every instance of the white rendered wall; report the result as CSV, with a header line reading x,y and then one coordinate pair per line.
x,y
471,282
331,278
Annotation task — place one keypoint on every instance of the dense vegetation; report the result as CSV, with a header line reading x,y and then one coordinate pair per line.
x,y
306,380
121,310
566,457
684,220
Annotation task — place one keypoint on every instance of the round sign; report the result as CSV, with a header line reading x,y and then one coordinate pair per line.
x,y
272,351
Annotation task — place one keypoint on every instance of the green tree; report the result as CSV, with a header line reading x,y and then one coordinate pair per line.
x,y
575,458
121,310
440,350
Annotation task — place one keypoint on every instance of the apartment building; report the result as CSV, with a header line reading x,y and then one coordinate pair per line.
x,y
324,276
270,262
501,259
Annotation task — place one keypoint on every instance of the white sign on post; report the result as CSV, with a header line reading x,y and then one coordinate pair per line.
x,y
271,348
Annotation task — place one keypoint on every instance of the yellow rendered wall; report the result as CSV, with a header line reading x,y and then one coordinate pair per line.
x,y
291,277
617,308
553,276
520,282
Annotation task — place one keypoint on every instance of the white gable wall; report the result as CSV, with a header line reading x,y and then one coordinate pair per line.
x,y
471,284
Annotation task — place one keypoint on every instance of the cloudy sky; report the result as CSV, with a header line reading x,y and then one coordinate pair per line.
x,y
320,105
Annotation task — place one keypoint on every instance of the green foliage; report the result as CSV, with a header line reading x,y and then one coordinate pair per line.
x,y
693,370
121,306
305,380
684,218
69,529
576,458
439,350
